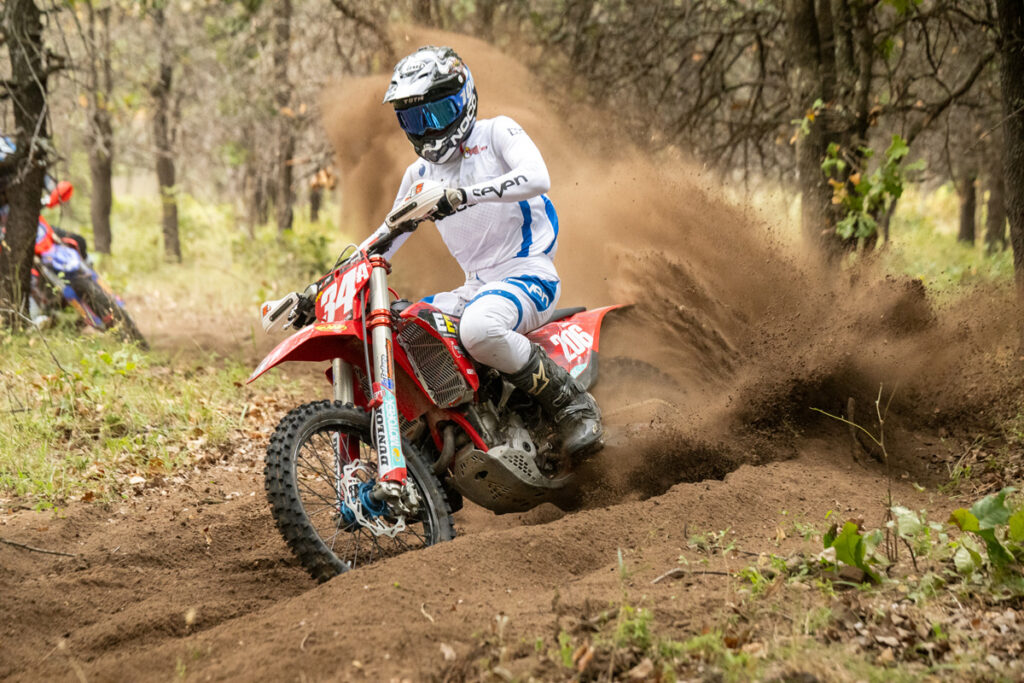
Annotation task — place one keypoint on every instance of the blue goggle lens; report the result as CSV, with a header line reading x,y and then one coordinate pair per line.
x,y
432,115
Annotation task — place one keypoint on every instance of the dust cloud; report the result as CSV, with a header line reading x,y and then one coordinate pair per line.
x,y
734,334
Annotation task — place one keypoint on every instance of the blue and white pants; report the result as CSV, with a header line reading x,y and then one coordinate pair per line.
x,y
499,305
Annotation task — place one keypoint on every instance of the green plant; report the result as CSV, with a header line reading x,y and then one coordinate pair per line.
x,y
633,628
805,529
921,537
1001,529
565,648
758,581
865,197
854,548
712,542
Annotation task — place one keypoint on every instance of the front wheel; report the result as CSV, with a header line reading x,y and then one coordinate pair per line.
x,y
305,460
105,307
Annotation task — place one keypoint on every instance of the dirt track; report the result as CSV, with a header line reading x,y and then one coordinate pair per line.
x,y
190,584
736,340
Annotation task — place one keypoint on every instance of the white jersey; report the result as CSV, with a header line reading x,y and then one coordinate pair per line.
x,y
507,216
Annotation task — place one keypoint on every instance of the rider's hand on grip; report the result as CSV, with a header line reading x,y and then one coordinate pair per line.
x,y
304,312
449,203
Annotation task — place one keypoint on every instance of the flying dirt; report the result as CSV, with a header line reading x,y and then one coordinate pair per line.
x,y
707,385
734,333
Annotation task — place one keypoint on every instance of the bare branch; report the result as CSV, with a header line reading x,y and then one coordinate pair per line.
x,y
36,550
349,12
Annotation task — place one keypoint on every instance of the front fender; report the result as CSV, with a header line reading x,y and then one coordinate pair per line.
x,y
317,342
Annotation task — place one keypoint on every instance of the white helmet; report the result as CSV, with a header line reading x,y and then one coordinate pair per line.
x,y
434,97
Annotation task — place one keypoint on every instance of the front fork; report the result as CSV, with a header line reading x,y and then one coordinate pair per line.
x,y
386,427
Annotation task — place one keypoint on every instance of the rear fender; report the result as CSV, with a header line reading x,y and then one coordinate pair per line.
x,y
574,342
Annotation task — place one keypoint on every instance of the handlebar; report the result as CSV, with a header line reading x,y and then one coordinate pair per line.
x,y
385,241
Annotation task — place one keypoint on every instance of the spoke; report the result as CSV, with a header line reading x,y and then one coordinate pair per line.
x,y
316,494
337,530
379,549
306,463
330,539
320,510
316,452
355,548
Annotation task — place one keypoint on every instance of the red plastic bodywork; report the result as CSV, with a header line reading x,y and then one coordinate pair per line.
x,y
573,341
45,243
570,342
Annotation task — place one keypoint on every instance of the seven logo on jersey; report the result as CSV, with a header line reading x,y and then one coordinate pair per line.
x,y
499,190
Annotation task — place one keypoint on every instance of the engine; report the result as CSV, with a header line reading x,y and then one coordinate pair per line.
x,y
515,473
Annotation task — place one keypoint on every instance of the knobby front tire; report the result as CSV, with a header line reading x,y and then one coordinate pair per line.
x,y
106,309
300,478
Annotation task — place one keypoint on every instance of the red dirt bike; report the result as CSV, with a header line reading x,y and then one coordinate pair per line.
x,y
415,423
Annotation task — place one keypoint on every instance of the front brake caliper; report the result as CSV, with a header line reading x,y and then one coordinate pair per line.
x,y
403,499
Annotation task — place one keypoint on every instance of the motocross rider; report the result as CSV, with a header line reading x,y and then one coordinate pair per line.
x,y
499,225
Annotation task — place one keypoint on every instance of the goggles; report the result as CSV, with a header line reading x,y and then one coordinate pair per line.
x,y
436,115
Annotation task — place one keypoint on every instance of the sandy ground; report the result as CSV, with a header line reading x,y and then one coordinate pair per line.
x,y
197,583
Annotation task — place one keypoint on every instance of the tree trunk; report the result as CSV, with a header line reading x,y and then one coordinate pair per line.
x,y
421,12
162,136
995,220
485,17
1011,28
803,52
885,222
24,38
101,134
316,198
285,196
967,189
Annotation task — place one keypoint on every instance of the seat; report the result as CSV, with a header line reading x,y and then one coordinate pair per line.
x,y
563,313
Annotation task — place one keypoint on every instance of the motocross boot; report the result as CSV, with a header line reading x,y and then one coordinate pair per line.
x,y
572,408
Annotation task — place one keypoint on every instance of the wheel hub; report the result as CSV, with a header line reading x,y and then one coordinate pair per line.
x,y
363,508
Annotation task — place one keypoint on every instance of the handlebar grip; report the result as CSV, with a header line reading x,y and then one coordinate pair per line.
x,y
382,245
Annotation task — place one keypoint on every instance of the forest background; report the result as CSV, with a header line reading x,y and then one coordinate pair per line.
x,y
844,104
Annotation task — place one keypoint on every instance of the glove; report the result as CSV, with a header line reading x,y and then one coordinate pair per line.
x,y
449,203
304,312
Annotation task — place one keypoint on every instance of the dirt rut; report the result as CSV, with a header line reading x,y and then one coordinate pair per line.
x,y
175,586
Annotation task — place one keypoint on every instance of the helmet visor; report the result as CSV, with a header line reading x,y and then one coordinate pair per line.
x,y
436,115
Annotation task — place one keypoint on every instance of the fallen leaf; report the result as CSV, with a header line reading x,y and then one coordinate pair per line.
x,y
641,671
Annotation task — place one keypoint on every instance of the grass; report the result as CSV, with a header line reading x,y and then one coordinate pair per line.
x,y
924,245
83,416
82,422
